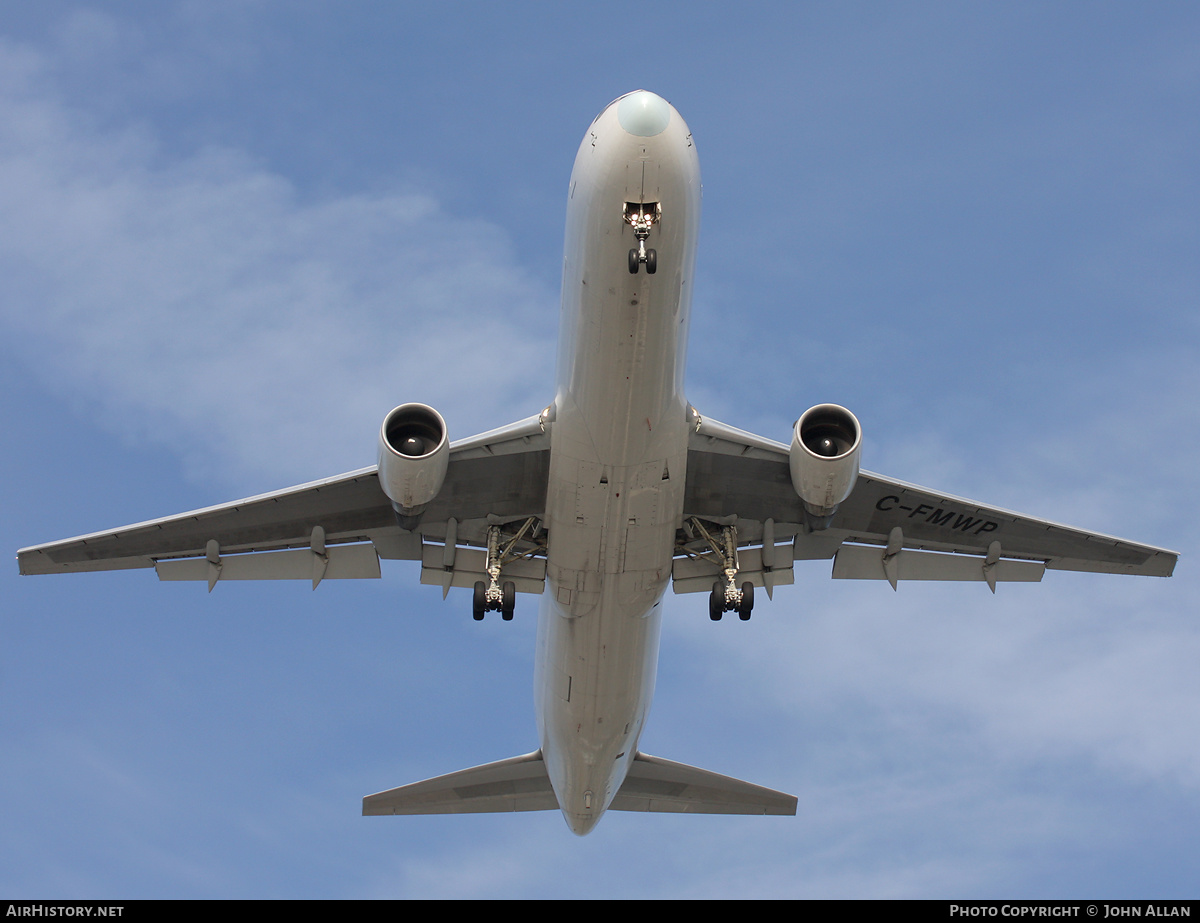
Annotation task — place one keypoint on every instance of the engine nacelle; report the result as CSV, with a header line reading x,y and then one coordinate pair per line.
x,y
824,456
413,454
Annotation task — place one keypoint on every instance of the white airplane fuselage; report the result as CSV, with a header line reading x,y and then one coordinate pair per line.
x,y
618,449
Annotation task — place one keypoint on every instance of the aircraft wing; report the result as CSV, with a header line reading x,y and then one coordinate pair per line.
x,y
735,477
338,527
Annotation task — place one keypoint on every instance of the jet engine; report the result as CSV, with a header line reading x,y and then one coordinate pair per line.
x,y
413,454
826,445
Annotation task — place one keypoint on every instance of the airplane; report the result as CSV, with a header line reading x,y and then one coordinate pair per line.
x,y
615,491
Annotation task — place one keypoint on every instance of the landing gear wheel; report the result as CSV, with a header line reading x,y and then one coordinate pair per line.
x,y
651,261
747,601
716,602
508,600
479,602
633,261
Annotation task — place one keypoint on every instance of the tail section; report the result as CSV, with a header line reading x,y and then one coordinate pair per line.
x,y
521,783
654,784
516,784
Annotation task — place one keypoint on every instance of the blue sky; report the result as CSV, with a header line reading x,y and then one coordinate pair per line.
x,y
236,234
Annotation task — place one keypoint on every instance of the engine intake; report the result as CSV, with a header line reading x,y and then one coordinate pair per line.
x,y
824,456
413,454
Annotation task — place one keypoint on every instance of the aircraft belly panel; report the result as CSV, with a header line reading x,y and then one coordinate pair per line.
x,y
618,458
601,682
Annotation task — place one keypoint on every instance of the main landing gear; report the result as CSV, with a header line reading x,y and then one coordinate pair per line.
x,y
503,600
492,595
642,216
726,596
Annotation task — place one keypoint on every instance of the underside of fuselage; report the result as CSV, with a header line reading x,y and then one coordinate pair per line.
x,y
618,445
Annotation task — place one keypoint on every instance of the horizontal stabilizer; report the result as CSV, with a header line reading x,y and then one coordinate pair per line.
x,y
516,784
659,785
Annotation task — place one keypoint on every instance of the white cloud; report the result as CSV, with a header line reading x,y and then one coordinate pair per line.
x,y
206,303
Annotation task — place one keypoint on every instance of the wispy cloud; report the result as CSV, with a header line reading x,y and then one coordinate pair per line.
x,y
203,302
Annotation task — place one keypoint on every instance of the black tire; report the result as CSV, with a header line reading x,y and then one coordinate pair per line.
x,y
508,600
651,261
716,602
633,261
479,601
747,605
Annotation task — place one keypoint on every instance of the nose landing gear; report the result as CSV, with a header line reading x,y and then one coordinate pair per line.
x,y
643,254
641,216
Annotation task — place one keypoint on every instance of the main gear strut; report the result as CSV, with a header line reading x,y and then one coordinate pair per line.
x,y
726,596
495,596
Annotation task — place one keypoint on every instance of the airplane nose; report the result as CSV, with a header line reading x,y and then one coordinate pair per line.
x,y
643,114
